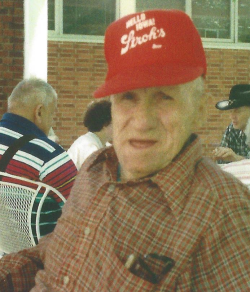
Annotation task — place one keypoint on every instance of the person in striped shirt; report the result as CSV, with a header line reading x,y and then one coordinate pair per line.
x,y
31,107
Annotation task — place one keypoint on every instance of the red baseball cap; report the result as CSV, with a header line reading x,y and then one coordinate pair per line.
x,y
151,48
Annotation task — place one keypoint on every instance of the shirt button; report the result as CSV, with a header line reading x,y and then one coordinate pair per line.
x,y
111,188
87,231
65,280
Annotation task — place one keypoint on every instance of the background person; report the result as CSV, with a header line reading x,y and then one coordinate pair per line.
x,y
233,146
97,120
31,108
151,197
240,169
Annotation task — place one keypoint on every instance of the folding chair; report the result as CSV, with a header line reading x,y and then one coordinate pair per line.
x,y
17,200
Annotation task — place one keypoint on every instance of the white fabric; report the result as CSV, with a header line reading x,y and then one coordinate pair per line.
x,y
240,169
83,147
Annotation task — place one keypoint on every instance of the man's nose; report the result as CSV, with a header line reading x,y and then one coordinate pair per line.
x,y
232,115
145,115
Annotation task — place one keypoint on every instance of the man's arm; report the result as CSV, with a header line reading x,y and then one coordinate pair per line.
x,y
224,153
18,270
59,172
227,155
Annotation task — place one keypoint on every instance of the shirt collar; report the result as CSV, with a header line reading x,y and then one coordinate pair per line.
x,y
175,180
236,131
21,125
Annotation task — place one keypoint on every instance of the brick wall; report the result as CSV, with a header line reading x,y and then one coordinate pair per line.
x,y
11,48
77,69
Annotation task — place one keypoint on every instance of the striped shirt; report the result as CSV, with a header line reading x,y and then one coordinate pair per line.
x,y
40,160
236,140
190,211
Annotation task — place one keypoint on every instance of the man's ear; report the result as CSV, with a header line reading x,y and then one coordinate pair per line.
x,y
38,114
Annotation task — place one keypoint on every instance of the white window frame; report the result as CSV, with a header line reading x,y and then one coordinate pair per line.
x,y
57,34
124,7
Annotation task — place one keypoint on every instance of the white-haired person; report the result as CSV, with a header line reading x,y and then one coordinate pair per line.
x,y
150,213
26,150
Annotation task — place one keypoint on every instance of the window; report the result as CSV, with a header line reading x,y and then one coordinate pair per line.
x,y
219,22
51,15
87,17
212,18
244,21
160,4
80,19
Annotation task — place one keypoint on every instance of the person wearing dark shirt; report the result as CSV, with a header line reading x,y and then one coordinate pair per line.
x,y
233,146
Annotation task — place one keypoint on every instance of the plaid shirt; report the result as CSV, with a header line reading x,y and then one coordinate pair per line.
x,y
191,211
236,140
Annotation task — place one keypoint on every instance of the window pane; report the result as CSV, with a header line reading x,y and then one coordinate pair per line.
x,y
160,4
51,14
212,18
244,21
87,17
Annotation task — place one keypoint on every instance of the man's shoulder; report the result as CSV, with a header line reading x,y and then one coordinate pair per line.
x,y
47,144
230,130
40,147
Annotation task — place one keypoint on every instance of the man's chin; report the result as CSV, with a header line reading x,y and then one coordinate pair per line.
x,y
236,127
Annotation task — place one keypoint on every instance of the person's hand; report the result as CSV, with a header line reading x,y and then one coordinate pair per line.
x,y
226,154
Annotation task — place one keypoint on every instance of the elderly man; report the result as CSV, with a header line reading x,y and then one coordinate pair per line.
x,y
150,214
24,129
233,146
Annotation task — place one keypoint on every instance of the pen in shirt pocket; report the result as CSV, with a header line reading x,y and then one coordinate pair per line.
x,y
141,267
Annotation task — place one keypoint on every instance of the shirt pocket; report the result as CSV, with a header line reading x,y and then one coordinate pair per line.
x,y
122,280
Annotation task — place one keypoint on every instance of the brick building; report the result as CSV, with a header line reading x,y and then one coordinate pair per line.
x,y
77,68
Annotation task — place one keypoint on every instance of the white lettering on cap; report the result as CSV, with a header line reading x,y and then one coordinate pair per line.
x,y
134,20
131,41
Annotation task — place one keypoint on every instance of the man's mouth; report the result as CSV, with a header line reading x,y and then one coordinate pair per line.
x,y
142,144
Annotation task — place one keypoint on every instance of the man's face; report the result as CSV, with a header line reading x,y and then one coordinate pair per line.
x,y
47,114
151,125
239,117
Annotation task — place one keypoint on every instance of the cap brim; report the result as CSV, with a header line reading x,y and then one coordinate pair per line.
x,y
150,76
230,104
223,105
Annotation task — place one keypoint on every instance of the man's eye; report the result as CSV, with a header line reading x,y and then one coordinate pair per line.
x,y
165,96
128,96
